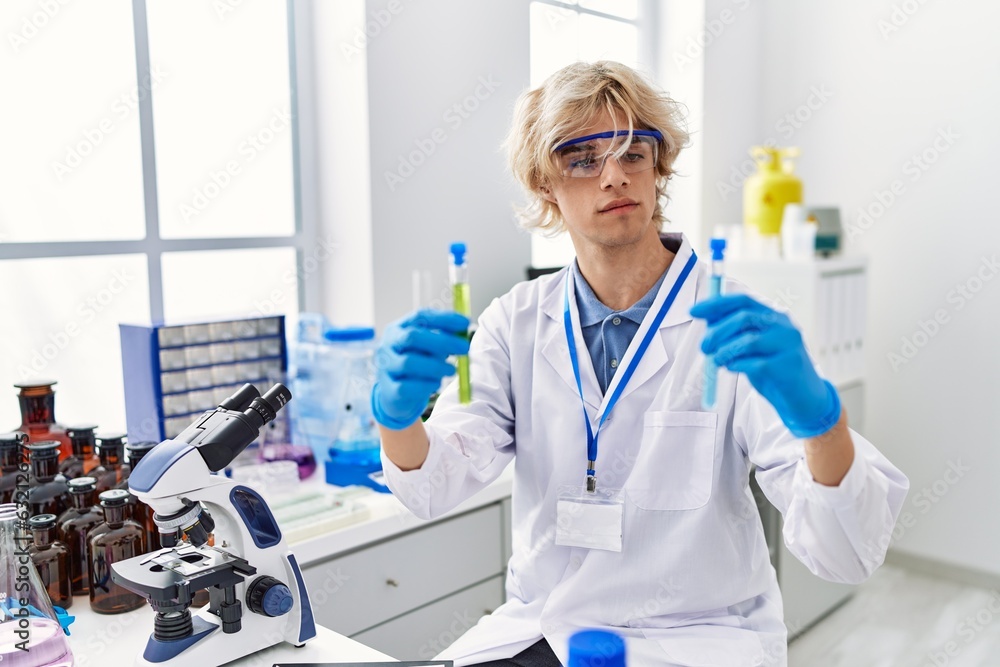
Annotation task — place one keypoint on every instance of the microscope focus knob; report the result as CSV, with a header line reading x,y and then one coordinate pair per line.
x,y
270,597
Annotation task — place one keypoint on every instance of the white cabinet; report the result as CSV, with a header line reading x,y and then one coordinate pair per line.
x,y
433,628
402,595
827,300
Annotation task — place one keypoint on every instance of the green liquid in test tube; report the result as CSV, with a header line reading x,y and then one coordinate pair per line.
x,y
458,272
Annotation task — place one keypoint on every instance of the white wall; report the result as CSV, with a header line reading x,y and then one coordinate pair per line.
x,y
333,111
890,94
429,58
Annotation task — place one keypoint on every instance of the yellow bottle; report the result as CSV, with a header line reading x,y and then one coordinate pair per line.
x,y
766,192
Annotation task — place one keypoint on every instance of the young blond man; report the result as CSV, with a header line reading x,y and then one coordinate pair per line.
x,y
631,506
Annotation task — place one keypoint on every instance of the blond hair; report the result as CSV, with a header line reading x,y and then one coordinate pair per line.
x,y
574,98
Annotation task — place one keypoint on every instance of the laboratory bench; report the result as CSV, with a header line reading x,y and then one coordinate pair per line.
x,y
389,585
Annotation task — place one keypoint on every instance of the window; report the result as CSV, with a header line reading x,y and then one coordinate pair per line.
x,y
563,33
147,172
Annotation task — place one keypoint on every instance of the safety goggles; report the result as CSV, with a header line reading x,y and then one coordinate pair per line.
x,y
584,157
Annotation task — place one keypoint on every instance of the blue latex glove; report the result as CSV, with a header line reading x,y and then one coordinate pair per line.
x,y
745,336
411,360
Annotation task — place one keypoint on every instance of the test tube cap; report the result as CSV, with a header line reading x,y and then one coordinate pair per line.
x,y
717,246
458,251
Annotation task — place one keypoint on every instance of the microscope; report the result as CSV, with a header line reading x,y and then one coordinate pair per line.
x,y
257,597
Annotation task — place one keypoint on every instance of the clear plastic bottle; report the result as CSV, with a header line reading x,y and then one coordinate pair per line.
x,y
51,559
38,414
84,459
13,469
314,410
26,601
74,527
111,473
118,538
355,452
47,489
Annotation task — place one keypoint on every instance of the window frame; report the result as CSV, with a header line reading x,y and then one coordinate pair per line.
x,y
152,246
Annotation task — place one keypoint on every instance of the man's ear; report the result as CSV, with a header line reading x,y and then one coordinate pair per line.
x,y
546,193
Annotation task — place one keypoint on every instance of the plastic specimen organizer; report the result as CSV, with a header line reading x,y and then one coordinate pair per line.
x,y
175,373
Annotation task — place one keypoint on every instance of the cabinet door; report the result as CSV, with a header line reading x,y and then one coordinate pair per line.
x,y
425,632
367,587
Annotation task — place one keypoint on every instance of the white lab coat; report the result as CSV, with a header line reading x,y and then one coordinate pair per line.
x,y
693,584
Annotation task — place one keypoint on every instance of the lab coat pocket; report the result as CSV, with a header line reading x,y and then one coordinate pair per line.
x,y
674,468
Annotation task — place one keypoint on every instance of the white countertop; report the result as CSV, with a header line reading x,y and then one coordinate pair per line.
x,y
115,641
99,639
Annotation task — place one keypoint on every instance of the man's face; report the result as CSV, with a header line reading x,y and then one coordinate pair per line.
x,y
611,209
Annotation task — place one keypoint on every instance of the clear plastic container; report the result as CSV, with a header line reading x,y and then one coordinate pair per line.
x,y
313,409
25,612
354,454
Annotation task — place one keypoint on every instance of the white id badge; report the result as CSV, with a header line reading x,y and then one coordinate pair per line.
x,y
589,520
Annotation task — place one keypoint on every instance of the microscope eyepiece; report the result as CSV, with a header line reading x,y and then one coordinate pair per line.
x,y
267,406
241,400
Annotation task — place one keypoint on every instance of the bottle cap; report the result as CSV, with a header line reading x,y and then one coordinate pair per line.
x,y
596,647
82,484
111,440
42,521
114,497
81,430
458,253
349,334
37,384
12,439
44,449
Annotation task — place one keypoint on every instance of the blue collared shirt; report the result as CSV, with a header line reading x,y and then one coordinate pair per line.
x,y
608,332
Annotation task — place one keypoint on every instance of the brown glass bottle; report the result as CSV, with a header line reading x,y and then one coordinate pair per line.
x,y
13,469
51,559
47,489
38,414
111,447
118,538
142,514
83,459
74,527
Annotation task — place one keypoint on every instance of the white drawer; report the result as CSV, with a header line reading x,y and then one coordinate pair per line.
x,y
425,632
362,589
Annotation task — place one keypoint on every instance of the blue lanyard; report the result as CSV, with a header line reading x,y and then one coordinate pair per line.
x,y
653,329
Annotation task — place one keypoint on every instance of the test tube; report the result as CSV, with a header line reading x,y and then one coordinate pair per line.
x,y
458,273
718,246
